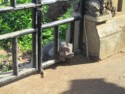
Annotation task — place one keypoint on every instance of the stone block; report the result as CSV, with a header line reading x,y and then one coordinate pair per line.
x,y
105,38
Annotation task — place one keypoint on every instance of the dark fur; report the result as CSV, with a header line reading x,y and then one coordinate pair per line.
x,y
65,51
99,7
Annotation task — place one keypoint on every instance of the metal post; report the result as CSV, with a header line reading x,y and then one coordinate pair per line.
x,y
81,26
39,34
34,38
56,41
13,3
72,29
14,56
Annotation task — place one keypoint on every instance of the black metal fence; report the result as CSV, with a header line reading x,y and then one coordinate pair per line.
x,y
36,32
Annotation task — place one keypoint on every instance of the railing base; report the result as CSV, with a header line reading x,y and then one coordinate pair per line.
x,y
12,78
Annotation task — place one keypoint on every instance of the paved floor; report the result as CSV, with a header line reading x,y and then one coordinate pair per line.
x,y
78,76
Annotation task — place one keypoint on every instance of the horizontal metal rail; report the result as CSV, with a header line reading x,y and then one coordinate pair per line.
x,y
51,1
59,22
24,72
16,33
21,74
27,6
19,7
44,26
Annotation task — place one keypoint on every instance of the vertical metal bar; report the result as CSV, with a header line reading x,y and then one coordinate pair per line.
x,y
39,30
56,41
13,3
81,26
14,56
120,5
81,35
72,29
34,38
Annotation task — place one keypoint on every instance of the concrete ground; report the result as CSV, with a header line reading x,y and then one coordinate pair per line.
x,y
77,76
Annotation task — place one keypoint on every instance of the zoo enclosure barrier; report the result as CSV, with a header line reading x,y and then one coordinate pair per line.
x,y
36,32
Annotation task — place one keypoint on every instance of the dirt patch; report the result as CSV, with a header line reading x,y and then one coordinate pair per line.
x,y
6,59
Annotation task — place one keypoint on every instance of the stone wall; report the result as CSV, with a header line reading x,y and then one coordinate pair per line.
x,y
105,34
107,38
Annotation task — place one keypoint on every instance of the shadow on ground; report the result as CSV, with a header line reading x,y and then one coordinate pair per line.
x,y
93,86
76,60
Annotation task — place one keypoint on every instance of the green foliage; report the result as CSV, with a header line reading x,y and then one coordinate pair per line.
x,y
5,68
25,42
3,56
47,35
4,3
14,21
18,20
23,1
63,28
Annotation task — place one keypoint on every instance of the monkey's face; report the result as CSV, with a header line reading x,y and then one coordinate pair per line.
x,y
66,50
